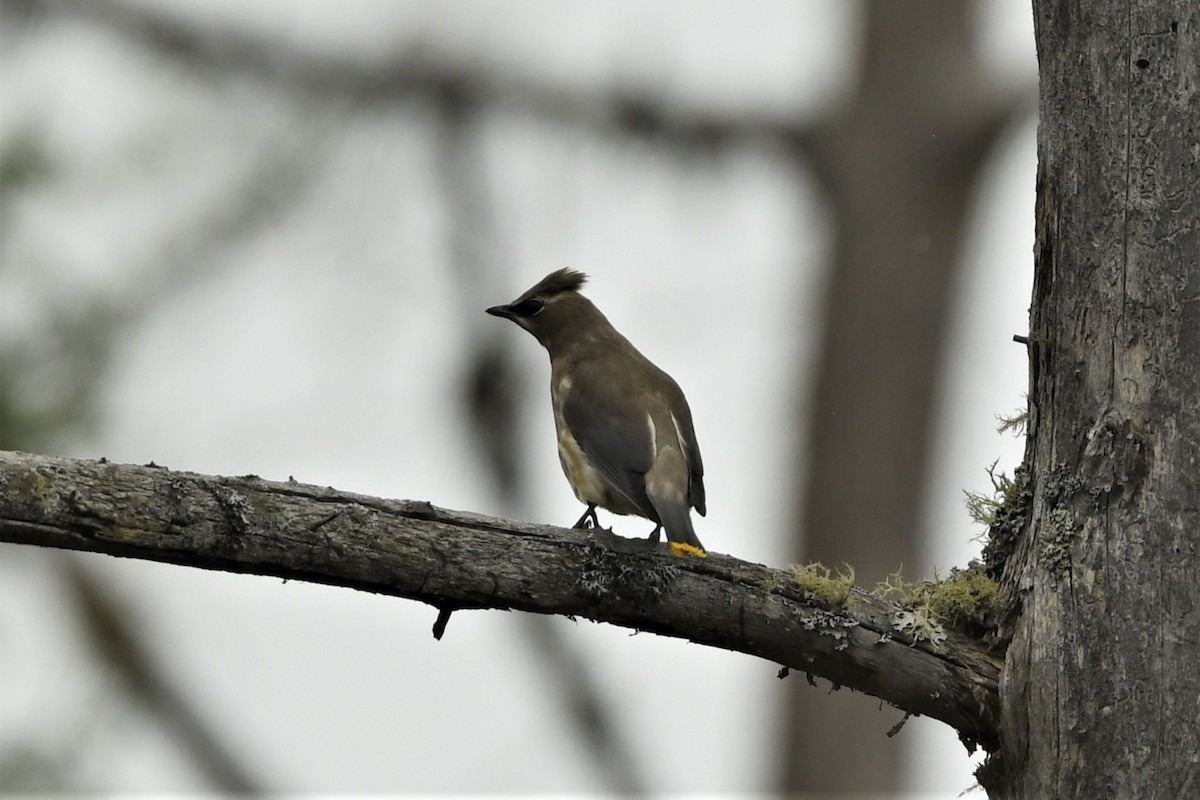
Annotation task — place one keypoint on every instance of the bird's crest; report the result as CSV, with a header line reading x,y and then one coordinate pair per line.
x,y
563,280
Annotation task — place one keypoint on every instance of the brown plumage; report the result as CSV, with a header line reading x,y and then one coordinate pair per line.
x,y
625,435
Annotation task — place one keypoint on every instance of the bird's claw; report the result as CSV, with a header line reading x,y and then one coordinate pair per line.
x,y
589,520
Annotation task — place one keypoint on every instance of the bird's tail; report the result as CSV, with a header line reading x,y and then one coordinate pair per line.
x,y
676,518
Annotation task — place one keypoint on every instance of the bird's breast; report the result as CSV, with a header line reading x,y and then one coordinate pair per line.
x,y
586,481
588,484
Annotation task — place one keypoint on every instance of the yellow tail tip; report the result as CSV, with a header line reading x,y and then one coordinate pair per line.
x,y
683,549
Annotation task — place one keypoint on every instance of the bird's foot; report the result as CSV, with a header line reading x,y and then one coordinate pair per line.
x,y
589,519
655,535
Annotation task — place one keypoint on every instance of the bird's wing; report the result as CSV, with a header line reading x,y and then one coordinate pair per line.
x,y
610,430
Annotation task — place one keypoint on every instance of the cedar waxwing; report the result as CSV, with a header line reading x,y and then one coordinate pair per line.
x,y
625,437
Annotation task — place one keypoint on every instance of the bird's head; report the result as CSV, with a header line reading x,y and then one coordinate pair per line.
x,y
552,309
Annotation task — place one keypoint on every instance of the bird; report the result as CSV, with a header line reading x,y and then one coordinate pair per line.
x,y
626,440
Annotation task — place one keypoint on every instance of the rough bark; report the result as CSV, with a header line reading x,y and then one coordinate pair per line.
x,y
461,560
1101,692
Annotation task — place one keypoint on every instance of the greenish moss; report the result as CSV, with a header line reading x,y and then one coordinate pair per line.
x,y
822,583
1005,510
989,508
1016,423
1005,517
967,597
967,600
894,587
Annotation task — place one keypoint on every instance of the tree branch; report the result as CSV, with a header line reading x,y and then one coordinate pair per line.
x,y
454,559
415,71
116,640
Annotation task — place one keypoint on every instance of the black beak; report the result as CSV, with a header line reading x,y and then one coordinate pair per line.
x,y
501,311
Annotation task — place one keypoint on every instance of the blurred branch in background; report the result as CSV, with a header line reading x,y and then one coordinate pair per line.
x,y
478,263
120,647
87,340
49,387
51,370
490,393
51,373
417,73
898,163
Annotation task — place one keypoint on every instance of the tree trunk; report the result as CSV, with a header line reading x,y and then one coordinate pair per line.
x,y
1101,692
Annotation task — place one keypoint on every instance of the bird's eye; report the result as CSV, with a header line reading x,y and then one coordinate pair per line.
x,y
531,307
